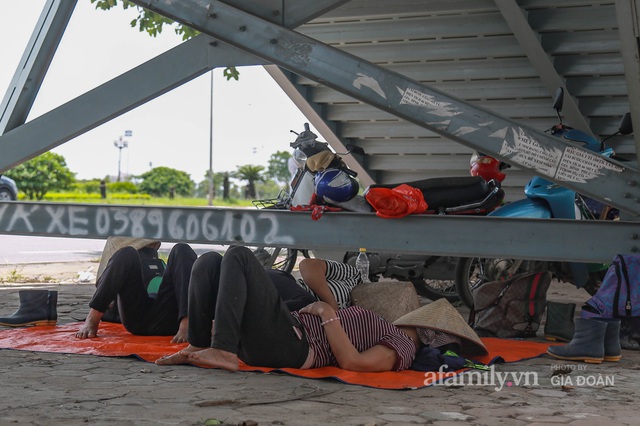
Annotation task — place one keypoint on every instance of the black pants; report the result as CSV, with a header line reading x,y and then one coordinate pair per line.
x,y
123,280
250,318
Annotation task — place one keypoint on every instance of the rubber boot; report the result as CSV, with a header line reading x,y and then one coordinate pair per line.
x,y
612,349
559,324
586,345
37,307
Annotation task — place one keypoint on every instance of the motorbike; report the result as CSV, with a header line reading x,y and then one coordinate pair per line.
x,y
432,276
544,200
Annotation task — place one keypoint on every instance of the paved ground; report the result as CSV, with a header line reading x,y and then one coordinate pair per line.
x,y
53,389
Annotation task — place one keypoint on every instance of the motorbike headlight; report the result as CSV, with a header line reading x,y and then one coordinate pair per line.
x,y
299,157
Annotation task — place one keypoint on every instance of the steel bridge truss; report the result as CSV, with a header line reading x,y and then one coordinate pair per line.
x,y
236,33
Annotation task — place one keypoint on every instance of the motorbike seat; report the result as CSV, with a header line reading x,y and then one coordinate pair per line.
x,y
446,192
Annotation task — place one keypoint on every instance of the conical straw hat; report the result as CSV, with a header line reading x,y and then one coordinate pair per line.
x,y
442,316
389,299
114,244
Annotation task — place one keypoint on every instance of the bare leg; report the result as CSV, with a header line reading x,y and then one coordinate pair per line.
x,y
314,272
215,358
180,357
90,326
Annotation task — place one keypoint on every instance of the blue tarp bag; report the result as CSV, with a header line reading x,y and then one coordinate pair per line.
x,y
619,297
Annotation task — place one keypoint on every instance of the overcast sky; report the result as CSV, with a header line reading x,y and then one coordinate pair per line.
x,y
252,117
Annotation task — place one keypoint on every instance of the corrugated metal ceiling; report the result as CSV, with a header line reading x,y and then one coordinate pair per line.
x,y
467,49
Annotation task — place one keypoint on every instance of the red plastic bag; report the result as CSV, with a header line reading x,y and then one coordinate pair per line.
x,y
400,201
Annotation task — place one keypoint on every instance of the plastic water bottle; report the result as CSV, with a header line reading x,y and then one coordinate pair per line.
x,y
362,265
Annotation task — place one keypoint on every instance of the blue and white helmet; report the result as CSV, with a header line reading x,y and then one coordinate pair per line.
x,y
335,185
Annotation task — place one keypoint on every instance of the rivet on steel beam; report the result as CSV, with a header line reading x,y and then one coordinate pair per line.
x,y
626,195
213,16
276,13
242,28
213,43
634,249
273,41
632,183
634,236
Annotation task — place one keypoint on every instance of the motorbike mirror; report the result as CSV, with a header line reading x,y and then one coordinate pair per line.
x,y
557,103
558,100
353,149
626,126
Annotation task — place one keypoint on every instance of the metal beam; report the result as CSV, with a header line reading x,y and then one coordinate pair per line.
x,y
568,165
35,61
530,43
628,14
115,97
591,241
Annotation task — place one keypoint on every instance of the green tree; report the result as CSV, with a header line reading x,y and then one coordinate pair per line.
x,y
278,168
165,181
152,23
251,174
44,173
268,189
203,186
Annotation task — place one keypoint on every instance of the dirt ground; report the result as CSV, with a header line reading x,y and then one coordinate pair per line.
x,y
63,389
63,272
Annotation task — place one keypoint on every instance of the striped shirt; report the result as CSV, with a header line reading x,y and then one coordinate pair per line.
x,y
365,330
341,279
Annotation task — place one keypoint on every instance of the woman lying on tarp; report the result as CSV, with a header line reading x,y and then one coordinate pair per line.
x,y
254,325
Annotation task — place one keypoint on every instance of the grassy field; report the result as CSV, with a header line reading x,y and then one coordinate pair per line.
x,y
140,200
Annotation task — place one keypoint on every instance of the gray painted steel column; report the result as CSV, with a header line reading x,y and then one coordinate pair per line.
x,y
628,13
35,61
530,43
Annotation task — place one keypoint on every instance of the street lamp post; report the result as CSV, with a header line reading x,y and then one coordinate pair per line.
x,y
210,173
120,143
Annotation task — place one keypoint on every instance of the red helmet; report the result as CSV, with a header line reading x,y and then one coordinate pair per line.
x,y
487,167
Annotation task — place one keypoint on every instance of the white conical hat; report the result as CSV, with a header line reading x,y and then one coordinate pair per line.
x,y
442,316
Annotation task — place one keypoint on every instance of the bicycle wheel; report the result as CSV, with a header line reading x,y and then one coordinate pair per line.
x,y
436,289
472,272
282,258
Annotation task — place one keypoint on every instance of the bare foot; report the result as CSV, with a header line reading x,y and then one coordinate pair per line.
x,y
180,357
90,327
215,358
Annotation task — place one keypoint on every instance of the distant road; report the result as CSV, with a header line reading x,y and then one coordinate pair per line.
x,y
15,249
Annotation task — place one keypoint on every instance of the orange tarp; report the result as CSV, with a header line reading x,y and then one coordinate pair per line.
x,y
116,342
